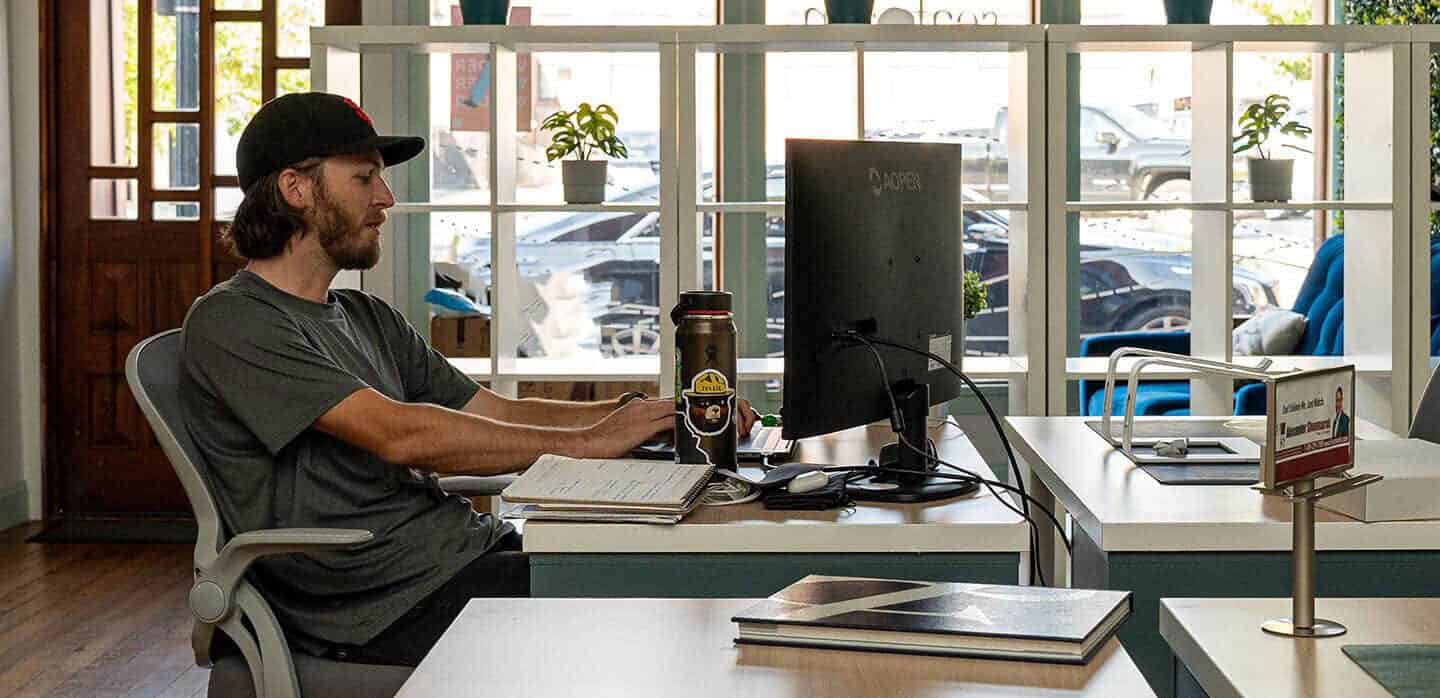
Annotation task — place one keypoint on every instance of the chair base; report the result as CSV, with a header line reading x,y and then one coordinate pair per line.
x,y
319,678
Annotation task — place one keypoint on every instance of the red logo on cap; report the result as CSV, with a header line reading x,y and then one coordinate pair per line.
x,y
359,111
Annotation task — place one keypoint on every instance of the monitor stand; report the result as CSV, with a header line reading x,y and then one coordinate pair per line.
x,y
917,485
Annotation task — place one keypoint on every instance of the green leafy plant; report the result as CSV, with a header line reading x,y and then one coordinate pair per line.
x,y
582,131
974,295
1259,120
1389,12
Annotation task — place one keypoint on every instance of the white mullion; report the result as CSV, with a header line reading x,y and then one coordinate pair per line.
x,y
1420,174
1027,226
505,326
1211,240
1377,320
337,70
680,262
382,81
1057,281
860,91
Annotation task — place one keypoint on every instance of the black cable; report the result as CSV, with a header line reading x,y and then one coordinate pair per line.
x,y
933,454
968,478
869,343
969,474
989,410
897,418
897,425
1036,571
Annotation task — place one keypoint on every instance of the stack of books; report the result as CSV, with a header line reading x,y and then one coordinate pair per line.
x,y
994,621
557,488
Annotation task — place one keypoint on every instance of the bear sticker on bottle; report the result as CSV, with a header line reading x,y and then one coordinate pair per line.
x,y
709,408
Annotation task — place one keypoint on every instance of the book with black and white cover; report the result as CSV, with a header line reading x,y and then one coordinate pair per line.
x,y
972,620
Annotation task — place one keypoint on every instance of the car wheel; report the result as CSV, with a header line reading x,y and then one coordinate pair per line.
x,y
1159,318
1171,222
634,340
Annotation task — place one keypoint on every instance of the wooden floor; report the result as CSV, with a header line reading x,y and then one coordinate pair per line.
x,y
81,619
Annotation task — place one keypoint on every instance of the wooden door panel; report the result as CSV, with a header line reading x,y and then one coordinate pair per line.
x,y
116,282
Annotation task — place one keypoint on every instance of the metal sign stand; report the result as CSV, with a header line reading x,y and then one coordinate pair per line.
x,y
1302,621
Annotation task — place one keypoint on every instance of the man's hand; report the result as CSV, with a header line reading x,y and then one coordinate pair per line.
x,y
629,426
626,427
744,418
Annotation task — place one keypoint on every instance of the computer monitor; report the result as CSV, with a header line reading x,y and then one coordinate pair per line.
x,y
873,245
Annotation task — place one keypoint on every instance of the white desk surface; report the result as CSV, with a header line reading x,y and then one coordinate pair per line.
x,y
1124,509
974,523
1221,642
638,648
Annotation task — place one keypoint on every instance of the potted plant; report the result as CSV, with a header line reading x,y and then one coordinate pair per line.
x,y
484,11
1188,11
1270,178
583,131
849,11
974,295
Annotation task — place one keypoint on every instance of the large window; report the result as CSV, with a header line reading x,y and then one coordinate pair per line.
x,y
1143,213
588,280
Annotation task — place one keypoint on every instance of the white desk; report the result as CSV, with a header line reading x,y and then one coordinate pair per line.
x,y
1121,508
1227,655
746,550
1131,532
684,647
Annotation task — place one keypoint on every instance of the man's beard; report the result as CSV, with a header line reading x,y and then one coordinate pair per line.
x,y
341,237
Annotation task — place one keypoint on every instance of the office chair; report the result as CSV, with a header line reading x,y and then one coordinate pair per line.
x,y
1426,424
221,598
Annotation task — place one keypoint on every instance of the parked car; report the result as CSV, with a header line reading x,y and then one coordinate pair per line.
x,y
1125,154
1121,288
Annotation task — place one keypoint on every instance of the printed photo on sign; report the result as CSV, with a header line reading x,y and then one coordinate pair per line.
x,y
1310,425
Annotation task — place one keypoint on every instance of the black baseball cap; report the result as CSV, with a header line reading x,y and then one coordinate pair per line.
x,y
298,126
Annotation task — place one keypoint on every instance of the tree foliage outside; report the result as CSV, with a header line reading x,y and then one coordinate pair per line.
x,y
1392,12
237,65
1286,12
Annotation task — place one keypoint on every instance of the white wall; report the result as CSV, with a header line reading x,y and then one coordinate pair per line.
x,y
21,382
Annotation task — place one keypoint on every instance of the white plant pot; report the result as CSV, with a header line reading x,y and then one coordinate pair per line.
x,y
584,181
1270,179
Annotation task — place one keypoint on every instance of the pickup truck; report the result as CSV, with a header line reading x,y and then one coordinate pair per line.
x,y
1125,154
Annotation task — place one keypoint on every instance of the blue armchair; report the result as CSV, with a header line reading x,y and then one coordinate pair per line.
x,y
1321,301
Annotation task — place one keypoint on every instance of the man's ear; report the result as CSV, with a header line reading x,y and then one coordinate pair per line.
x,y
297,189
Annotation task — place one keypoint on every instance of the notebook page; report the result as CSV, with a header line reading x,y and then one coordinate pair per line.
x,y
560,479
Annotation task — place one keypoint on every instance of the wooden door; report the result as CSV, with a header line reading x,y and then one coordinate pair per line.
x,y
149,95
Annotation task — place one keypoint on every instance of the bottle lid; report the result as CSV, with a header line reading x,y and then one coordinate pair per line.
x,y
718,301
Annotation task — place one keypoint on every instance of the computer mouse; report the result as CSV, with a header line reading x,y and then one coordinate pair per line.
x,y
808,481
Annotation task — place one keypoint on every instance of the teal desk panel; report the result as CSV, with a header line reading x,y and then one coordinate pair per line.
x,y
1151,576
746,575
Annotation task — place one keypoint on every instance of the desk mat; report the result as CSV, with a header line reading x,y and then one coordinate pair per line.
x,y
1203,473
1406,671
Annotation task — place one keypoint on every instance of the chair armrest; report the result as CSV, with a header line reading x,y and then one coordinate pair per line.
x,y
242,550
1175,342
476,486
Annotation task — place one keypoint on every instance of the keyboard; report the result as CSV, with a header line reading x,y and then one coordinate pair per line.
x,y
761,442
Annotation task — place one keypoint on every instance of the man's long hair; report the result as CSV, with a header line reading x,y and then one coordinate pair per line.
x,y
265,222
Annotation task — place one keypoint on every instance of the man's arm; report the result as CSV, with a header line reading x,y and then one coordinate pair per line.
x,y
446,441
550,413
560,413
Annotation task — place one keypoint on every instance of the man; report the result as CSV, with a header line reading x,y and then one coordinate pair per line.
x,y
320,408
1341,424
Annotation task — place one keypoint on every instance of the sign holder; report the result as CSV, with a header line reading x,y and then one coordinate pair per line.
x,y
1291,472
1304,441
1302,621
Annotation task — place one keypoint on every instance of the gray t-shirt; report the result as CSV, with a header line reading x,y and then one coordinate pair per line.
x,y
261,366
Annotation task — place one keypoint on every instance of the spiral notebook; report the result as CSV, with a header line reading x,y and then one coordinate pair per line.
x,y
561,484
